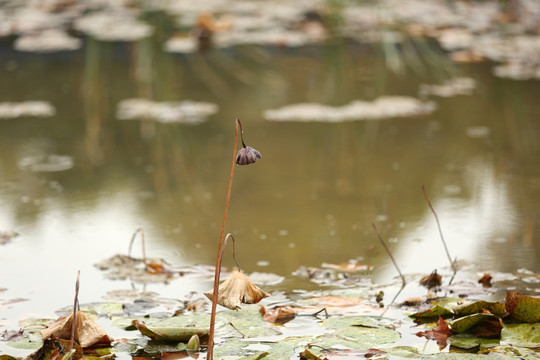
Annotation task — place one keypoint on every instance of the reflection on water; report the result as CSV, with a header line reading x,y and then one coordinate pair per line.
x,y
311,199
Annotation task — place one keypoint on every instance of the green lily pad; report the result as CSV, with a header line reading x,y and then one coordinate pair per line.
x,y
254,356
408,352
526,335
469,342
465,323
247,320
169,334
476,307
24,344
513,352
362,329
158,347
523,308
434,312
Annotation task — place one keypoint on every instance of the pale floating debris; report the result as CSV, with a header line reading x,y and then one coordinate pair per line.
x,y
11,110
7,236
47,41
478,131
278,37
384,107
452,87
266,278
183,45
113,27
186,111
455,39
46,163
517,71
25,20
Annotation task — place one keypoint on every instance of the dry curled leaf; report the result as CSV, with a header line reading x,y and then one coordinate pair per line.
x,y
431,280
87,332
485,280
440,333
279,314
236,290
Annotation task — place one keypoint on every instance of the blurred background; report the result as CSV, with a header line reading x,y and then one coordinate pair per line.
x,y
117,114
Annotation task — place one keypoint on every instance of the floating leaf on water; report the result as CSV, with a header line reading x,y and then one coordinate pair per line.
x,y
527,335
186,111
349,267
169,334
523,308
46,163
436,311
12,110
476,132
113,26
363,329
183,45
452,87
466,323
469,341
121,267
494,308
47,41
266,278
385,107
455,38
278,314
440,333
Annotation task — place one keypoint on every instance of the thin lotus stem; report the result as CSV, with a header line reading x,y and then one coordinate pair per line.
x,y
210,353
389,253
74,317
241,132
139,230
440,230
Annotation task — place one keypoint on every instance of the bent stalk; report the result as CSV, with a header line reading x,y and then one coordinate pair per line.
x,y
210,353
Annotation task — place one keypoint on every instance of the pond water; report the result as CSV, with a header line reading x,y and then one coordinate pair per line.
x,y
77,184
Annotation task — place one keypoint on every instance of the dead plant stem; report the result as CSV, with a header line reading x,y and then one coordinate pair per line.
x,y
74,317
210,353
389,253
139,230
452,264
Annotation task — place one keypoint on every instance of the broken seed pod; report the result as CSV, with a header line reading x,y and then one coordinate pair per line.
x,y
236,290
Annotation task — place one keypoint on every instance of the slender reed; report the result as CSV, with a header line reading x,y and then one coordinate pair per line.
x,y
139,230
74,317
210,353
452,263
389,253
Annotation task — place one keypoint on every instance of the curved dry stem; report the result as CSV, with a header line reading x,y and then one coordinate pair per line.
x,y
241,132
139,230
74,317
452,263
389,254
217,271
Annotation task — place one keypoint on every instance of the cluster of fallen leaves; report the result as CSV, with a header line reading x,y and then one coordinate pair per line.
x,y
482,319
